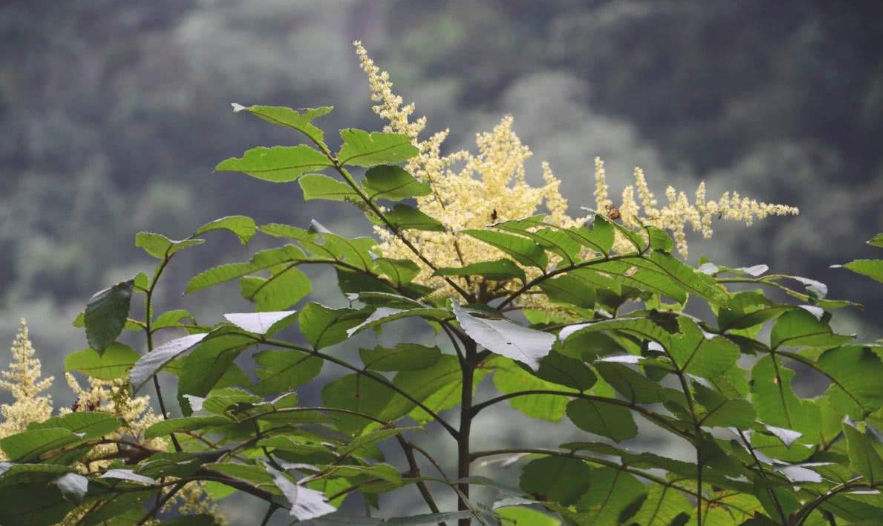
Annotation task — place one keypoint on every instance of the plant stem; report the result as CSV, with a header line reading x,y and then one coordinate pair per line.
x,y
148,315
466,416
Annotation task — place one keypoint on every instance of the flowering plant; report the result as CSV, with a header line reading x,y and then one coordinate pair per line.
x,y
588,318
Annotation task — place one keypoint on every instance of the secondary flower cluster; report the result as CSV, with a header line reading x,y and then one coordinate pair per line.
x,y
22,380
473,190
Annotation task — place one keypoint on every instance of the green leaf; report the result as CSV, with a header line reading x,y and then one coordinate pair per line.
x,y
279,164
558,479
521,249
106,314
187,423
281,371
664,504
564,370
406,217
318,186
438,387
496,270
570,289
402,357
872,268
799,328
399,271
506,338
775,401
33,443
598,235
300,120
857,371
393,183
511,378
526,516
608,420
219,274
114,363
611,491
86,425
151,363
33,505
864,453
305,503
361,148
170,319
281,290
262,323
324,326
659,239
689,278
634,386
241,226
699,353
357,393
723,412
161,247
208,362
385,315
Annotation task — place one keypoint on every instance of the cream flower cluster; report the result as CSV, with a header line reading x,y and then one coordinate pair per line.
x,y
473,190
699,215
22,380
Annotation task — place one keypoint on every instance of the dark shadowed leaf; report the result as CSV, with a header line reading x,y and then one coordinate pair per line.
x,y
106,314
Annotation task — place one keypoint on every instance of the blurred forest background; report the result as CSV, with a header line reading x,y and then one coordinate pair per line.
x,y
113,113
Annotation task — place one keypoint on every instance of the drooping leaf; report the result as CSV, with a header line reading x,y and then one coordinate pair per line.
x,y
114,363
106,314
506,338
241,226
86,425
361,148
393,183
